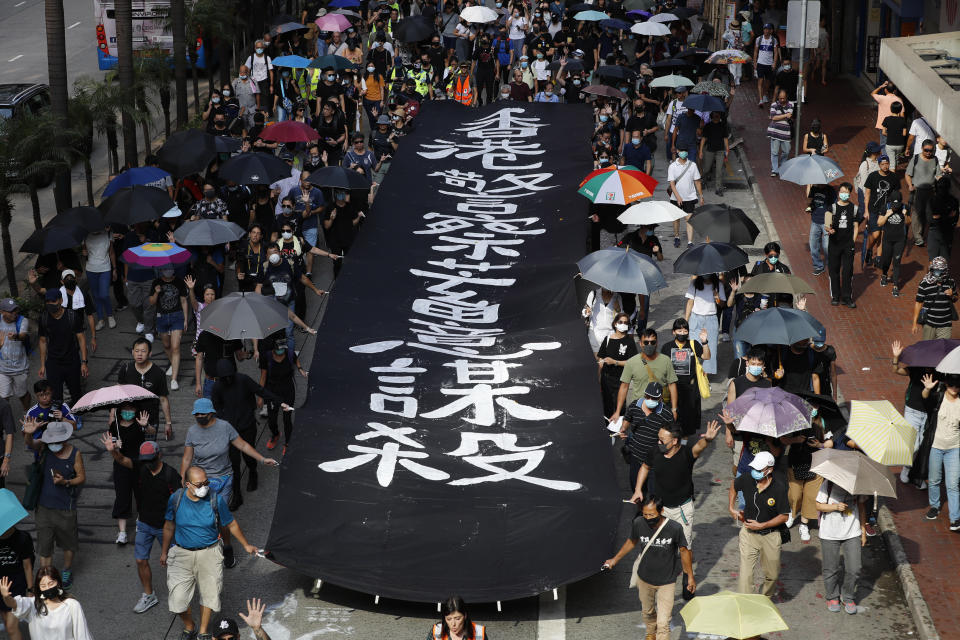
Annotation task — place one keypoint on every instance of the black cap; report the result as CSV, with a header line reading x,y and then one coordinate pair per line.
x,y
653,390
227,626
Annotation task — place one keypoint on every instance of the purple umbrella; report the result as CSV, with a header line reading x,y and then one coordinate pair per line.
x,y
639,12
927,353
770,412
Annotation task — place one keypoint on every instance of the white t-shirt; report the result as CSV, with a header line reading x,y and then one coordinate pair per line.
x,y
66,622
942,156
703,302
838,525
540,69
922,130
98,252
765,47
517,26
601,315
259,67
685,183
675,109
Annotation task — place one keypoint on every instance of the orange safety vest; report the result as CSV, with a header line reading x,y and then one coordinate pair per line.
x,y
479,632
463,92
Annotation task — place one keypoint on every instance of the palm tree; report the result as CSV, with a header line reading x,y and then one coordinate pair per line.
x,y
178,29
153,73
57,72
7,188
41,148
124,20
214,21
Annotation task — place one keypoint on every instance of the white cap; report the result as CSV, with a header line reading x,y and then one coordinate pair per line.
x,y
762,460
67,272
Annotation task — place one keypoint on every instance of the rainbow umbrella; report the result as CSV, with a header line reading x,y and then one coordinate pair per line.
x,y
156,254
617,185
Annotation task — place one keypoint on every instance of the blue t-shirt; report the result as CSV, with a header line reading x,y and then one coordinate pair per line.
x,y
196,524
316,200
636,156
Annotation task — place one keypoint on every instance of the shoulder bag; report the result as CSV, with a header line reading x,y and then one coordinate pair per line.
x,y
634,580
702,381
31,495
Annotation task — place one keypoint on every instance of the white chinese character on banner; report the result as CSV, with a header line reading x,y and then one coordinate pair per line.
x,y
531,457
444,223
482,397
505,121
496,372
479,243
490,150
462,179
480,312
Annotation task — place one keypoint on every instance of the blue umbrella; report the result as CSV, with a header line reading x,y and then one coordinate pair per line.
x,y
613,23
337,63
11,511
344,4
135,176
778,325
704,102
809,169
294,62
622,270
591,16
639,13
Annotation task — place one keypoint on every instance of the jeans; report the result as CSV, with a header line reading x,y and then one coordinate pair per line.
x,y
918,420
841,582
778,147
100,290
818,241
945,462
712,326
282,113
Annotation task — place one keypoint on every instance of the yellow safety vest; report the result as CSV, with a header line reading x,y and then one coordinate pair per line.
x,y
479,632
311,91
421,81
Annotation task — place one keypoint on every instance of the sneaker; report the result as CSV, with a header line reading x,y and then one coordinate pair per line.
x,y
140,327
883,280
676,242
851,304
174,385
111,322
804,532
689,245
760,104
905,475
955,525
66,578
724,337
272,442
149,336
169,371
146,601
818,272
835,302
871,529
229,560
99,325
850,607
896,292
932,513
833,605
188,635
790,520
120,307
869,257
122,537
773,174
919,243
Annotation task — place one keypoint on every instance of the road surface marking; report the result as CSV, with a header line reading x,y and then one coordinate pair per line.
x,y
15,58
19,4
552,621
73,25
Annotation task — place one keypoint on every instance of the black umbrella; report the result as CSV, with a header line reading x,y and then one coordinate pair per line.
x,y
414,29
823,402
573,65
613,71
89,218
287,27
207,233
254,168
242,315
338,178
672,63
53,239
138,203
577,8
226,144
778,325
710,257
684,12
187,152
696,54
724,224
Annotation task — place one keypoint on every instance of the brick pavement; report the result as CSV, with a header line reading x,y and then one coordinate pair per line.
x,y
862,336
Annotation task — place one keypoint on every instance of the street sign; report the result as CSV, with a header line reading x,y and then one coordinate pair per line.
x,y
794,20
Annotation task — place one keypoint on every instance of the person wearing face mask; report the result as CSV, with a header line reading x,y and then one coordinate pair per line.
x,y
894,222
548,94
787,79
504,53
641,423
210,207
278,367
63,347
938,458
246,92
285,95
765,512
936,295
684,353
331,125
748,374
63,472
635,152
169,297
803,485
77,297
195,518
214,107
646,367
261,72
614,351
665,552
51,612
122,439
686,191
16,562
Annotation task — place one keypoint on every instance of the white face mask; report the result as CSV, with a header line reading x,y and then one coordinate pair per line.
x,y
55,447
201,492
286,236
622,328
274,258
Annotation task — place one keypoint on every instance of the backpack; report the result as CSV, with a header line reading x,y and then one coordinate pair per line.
x,y
28,342
213,504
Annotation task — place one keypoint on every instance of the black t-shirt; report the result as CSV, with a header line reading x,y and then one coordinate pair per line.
x,y
741,384
279,373
661,564
264,214
762,505
914,397
14,549
213,349
881,186
715,132
61,334
328,92
342,231
485,59
154,494
821,197
154,380
640,242
674,475
168,300
896,126
619,349
842,220
895,227
280,280
587,44
681,358
129,438
797,369
821,367
788,81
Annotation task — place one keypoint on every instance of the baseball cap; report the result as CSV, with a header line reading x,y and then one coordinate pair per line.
x,y
227,627
321,13
768,26
9,304
202,405
873,147
883,158
653,390
762,460
821,335
383,120
578,53
148,450
67,272
286,156
52,295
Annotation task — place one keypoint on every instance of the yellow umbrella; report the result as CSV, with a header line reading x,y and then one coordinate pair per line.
x,y
881,432
732,615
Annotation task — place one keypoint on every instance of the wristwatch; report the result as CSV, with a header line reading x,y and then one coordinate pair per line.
x,y
83,362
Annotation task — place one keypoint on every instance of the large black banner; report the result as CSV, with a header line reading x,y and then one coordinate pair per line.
x,y
452,440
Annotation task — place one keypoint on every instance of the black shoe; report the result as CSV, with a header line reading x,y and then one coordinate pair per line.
x,y
119,308
883,280
676,242
876,261
235,501
817,272
835,302
932,513
252,482
851,304
955,525
896,292
869,257
229,561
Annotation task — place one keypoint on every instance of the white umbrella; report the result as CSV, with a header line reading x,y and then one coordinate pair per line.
x,y
671,81
663,17
652,212
651,29
478,14
950,363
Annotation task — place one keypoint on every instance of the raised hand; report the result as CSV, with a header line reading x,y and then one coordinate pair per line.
x,y
928,381
143,418
896,348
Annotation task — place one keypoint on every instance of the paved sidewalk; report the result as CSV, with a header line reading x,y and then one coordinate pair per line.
x,y
862,336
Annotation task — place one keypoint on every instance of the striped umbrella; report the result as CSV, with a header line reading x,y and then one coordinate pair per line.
x,y
881,432
156,254
617,185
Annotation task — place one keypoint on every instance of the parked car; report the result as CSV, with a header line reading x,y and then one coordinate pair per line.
x,y
16,100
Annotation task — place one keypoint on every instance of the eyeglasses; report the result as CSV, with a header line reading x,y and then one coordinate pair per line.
x,y
928,150
205,483
648,342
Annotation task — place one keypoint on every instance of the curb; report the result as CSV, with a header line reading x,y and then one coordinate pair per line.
x,y
919,610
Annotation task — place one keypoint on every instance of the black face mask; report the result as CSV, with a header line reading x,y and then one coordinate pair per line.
x,y
652,522
52,307
55,592
203,420
70,283
662,447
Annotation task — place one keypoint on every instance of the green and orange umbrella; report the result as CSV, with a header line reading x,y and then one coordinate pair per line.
x,y
617,185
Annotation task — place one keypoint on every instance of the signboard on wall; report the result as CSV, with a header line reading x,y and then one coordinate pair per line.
x,y
795,20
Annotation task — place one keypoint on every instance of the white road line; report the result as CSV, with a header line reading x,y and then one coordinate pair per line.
x,y
15,58
20,4
73,25
552,622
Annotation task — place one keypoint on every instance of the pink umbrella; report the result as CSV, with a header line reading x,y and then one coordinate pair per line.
x,y
111,396
289,131
333,22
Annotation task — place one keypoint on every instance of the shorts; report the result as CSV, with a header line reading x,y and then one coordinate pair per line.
x,y
170,322
13,384
764,72
56,525
310,235
222,486
187,570
144,540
